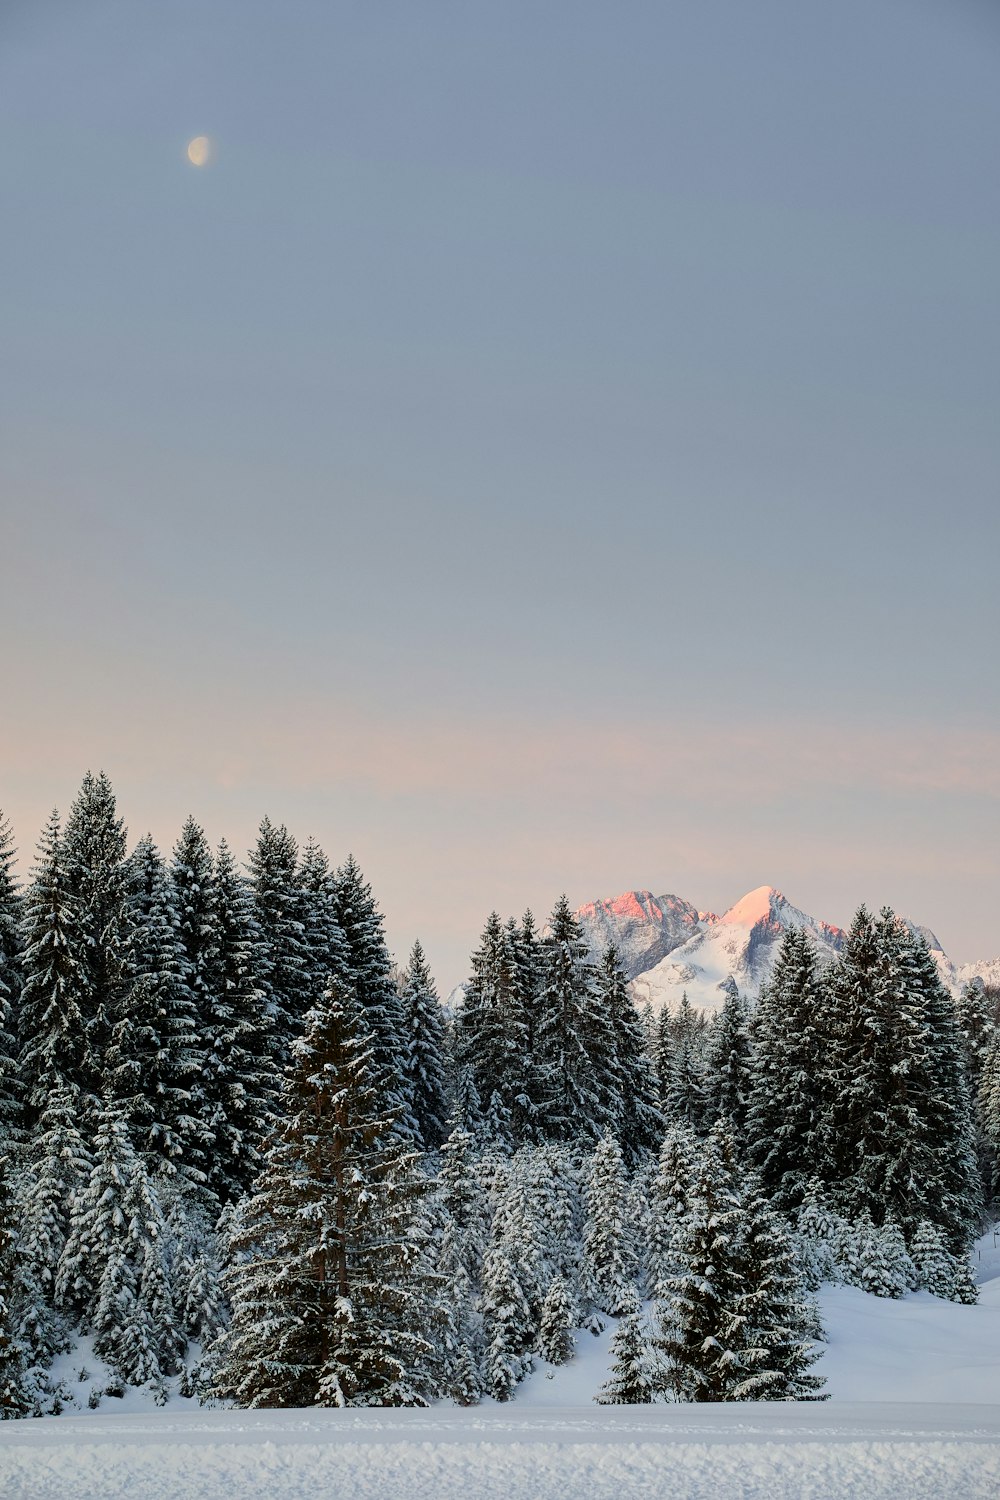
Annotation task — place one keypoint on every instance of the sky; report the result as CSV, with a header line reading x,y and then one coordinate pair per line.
x,y
546,448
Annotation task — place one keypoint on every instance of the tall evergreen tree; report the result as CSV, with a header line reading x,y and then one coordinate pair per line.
x,y
608,1248
686,1100
240,1084
192,875
55,1043
14,1397
633,1111
371,976
330,1305
729,1076
788,1106
493,1029
11,979
571,1104
95,844
278,910
423,1028
153,1066
325,945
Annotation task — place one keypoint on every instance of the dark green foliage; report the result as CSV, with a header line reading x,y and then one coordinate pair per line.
x,y
423,1030
632,1109
332,1303
153,1065
371,976
52,1021
11,979
633,1381
278,910
14,1397
786,1121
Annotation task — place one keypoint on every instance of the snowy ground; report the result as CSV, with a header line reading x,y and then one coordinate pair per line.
x,y
915,1412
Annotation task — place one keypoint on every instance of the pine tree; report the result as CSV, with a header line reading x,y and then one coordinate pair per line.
x,y
788,1105
686,1100
371,976
776,1311
14,1397
942,1273
632,1381
977,1025
989,1117
153,1066
11,979
493,1030
240,1084
571,1104
330,1302
58,1165
729,1075
194,901
884,1269
325,945
278,910
95,844
509,1324
112,1266
555,1332
608,1251
668,1204
423,1028
633,1111
54,1041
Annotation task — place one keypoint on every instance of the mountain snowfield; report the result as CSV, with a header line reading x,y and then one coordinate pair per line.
x,y
670,948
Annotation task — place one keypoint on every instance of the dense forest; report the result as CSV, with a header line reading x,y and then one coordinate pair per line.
x,y
252,1160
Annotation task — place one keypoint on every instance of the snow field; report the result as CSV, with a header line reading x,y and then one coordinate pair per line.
x,y
752,1452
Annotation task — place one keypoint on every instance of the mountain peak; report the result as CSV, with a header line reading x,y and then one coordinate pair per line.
x,y
756,906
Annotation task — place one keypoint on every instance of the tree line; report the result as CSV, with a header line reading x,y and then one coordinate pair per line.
x,y
253,1160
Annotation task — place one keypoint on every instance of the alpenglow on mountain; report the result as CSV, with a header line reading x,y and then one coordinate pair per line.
x,y
670,948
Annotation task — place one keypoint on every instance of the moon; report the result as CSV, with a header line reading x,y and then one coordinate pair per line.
x,y
198,150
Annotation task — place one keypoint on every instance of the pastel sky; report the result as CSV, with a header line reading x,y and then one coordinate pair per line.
x,y
548,447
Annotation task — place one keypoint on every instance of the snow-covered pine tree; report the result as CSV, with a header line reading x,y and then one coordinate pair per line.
x,y
52,1026
661,1047
788,1104
775,1314
192,875
938,1270
633,1110
112,1269
493,1029
274,882
571,1104
325,945
330,1304
94,840
977,1025
729,1076
686,1100
510,1327
153,1064
737,1319
883,1266
609,1258
11,979
14,1397
240,1083
423,1028
668,1202
633,1380
820,1231
558,1317
57,1166
989,1118
371,976
943,1159
529,958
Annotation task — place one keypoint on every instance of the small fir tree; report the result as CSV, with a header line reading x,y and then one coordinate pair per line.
x,y
632,1381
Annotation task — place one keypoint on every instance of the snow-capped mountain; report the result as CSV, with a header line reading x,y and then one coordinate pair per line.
x,y
669,948
643,927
